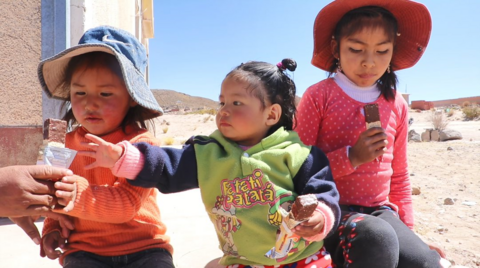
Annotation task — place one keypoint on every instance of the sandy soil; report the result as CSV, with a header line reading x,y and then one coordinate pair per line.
x,y
442,170
445,170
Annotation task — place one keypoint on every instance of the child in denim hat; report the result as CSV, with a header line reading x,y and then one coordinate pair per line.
x,y
116,224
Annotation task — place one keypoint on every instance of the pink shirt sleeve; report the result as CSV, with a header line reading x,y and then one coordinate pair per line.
x,y
340,163
130,163
400,185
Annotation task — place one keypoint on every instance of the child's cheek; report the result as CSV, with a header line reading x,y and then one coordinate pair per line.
x,y
77,109
114,111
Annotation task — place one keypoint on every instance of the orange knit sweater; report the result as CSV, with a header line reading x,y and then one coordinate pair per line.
x,y
111,216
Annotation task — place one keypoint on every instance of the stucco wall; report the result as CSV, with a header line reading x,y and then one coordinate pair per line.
x,y
21,25
20,94
20,32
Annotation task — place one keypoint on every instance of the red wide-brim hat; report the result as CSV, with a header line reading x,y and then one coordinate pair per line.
x,y
414,27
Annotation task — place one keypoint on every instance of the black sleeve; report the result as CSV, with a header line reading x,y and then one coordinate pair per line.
x,y
315,177
170,170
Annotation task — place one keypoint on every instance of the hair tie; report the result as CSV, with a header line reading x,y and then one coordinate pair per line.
x,y
280,66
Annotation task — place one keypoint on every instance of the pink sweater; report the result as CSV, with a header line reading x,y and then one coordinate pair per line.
x,y
331,120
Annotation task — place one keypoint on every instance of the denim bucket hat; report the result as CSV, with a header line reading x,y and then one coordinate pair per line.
x,y
129,52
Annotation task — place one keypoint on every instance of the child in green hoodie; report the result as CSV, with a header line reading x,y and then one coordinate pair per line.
x,y
249,172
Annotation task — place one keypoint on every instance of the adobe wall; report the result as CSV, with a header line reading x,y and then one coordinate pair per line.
x,y
21,99
19,145
460,101
421,105
427,105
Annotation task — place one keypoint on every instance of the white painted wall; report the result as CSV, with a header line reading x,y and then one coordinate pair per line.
x,y
86,14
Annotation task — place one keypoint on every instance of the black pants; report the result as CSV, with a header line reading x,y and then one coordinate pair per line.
x,y
149,258
377,238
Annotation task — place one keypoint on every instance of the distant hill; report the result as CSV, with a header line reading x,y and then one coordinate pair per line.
x,y
170,100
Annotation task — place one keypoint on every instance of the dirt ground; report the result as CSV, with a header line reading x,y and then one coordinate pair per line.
x,y
441,170
445,170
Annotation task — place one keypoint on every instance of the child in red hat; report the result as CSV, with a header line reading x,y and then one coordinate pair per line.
x,y
361,43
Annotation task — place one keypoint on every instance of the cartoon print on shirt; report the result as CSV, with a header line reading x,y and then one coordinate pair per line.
x,y
248,192
287,242
227,223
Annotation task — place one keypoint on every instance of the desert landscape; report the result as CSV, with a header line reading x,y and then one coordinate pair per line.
x,y
447,175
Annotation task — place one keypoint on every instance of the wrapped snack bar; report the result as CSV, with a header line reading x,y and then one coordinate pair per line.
x,y
302,209
53,152
372,116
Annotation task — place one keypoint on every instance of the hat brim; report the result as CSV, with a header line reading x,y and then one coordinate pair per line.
x,y
51,73
414,26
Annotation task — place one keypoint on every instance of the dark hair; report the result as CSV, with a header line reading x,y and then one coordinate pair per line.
x,y
359,19
270,82
135,115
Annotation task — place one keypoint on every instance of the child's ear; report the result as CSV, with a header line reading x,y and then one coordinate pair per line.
x,y
274,114
334,48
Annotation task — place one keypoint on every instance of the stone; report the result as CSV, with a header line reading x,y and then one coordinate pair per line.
x,y
441,229
450,134
435,135
416,190
448,201
426,135
414,136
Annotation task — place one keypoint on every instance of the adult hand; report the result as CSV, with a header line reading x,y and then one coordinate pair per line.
x,y
27,191
27,223
371,144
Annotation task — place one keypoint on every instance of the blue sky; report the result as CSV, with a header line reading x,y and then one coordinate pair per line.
x,y
197,43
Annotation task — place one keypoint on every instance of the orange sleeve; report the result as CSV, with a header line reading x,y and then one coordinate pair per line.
x,y
114,204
